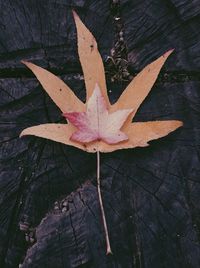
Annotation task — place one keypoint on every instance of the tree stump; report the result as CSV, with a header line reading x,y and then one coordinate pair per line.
x,y
49,210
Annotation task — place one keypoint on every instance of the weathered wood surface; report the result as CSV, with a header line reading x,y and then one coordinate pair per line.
x,y
151,195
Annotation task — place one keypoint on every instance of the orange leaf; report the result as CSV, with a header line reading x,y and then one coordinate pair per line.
x,y
109,125
102,127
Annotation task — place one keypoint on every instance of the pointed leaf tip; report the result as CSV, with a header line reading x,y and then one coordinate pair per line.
x,y
75,15
90,58
140,86
58,91
56,132
21,134
167,53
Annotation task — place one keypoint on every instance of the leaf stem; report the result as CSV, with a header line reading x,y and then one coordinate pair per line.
x,y
108,247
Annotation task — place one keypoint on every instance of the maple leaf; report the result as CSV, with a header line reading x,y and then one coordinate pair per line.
x,y
96,123
98,126
137,134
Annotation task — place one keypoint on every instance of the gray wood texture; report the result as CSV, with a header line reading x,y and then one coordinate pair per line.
x,y
49,211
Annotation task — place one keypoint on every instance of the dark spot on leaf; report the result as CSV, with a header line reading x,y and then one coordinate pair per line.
x,y
92,47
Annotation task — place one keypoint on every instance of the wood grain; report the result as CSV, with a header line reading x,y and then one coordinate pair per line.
x,y
151,195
